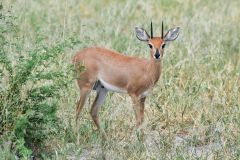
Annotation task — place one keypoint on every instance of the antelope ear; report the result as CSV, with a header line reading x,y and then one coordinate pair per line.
x,y
172,34
141,34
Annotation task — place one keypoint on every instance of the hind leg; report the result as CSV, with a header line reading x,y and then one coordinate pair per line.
x,y
85,87
101,94
84,91
83,96
85,84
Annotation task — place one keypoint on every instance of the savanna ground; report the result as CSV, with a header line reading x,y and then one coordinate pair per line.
x,y
193,111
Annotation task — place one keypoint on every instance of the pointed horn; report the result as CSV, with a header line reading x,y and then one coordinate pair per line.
x,y
151,30
162,29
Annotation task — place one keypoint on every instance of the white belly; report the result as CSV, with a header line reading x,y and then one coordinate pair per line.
x,y
145,94
111,87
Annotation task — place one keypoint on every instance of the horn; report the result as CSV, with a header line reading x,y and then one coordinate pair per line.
x,y
162,29
151,30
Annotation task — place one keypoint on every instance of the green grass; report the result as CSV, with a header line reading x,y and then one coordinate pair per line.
x,y
197,97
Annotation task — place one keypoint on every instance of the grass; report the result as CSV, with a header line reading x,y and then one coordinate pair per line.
x,y
193,111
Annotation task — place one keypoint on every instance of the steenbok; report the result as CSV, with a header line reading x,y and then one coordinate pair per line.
x,y
107,70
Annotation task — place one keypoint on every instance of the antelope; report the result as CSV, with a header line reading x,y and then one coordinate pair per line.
x,y
107,70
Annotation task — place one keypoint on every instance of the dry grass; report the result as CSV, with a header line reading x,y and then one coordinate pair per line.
x,y
193,112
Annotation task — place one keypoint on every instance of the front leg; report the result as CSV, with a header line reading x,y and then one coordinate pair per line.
x,y
142,106
138,105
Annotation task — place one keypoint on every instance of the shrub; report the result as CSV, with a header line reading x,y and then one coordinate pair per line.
x,y
30,89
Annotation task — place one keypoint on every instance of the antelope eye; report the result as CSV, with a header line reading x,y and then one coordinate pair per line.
x,y
150,46
163,46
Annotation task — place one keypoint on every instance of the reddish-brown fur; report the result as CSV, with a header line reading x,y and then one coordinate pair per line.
x,y
108,70
134,75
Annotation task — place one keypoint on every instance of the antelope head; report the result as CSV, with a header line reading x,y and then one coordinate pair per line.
x,y
157,44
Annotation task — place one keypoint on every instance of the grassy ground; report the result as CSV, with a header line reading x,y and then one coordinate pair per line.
x,y
193,111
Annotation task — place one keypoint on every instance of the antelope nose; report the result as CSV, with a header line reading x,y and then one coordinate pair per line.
x,y
157,54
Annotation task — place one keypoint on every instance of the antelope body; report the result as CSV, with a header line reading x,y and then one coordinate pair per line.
x,y
107,70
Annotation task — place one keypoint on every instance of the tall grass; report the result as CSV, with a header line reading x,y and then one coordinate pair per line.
x,y
193,112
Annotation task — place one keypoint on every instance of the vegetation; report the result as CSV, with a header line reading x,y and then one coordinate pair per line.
x,y
192,113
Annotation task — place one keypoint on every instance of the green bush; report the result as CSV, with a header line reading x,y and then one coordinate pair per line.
x,y
30,89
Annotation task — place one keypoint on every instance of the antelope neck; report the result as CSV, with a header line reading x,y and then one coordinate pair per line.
x,y
154,70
